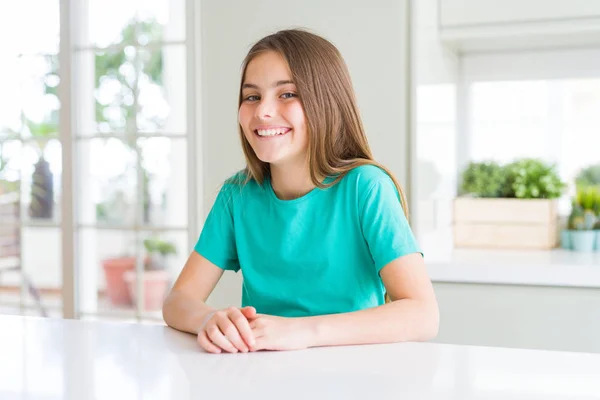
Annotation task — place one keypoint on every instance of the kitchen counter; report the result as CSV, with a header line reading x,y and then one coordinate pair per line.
x,y
71,359
513,267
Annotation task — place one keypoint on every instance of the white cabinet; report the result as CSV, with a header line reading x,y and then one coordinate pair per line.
x,y
486,12
474,25
530,317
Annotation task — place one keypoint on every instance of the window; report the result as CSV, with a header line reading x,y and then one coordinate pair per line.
x,y
546,108
504,106
128,109
31,151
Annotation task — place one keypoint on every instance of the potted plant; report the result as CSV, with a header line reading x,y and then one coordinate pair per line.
x,y
155,277
584,221
508,206
483,179
114,274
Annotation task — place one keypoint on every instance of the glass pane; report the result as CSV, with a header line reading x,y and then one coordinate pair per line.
x,y
162,90
41,180
164,163
29,27
115,81
42,265
11,97
436,164
108,181
581,121
165,254
10,165
39,90
161,21
509,101
104,258
111,22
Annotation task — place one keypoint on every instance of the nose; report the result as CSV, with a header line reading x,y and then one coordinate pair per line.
x,y
265,109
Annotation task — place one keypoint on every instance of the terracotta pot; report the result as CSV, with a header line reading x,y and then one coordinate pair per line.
x,y
114,271
156,285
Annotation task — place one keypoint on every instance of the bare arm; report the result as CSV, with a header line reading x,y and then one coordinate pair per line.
x,y
412,315
184,308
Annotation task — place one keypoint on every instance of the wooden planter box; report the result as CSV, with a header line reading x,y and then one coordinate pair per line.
x,y
506,223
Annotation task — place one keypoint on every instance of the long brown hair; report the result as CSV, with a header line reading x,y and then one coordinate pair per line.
x,y
336,138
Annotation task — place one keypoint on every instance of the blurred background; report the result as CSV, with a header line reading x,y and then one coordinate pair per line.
x,y
118,125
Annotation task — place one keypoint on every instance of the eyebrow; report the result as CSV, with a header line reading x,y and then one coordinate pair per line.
x,y
278,83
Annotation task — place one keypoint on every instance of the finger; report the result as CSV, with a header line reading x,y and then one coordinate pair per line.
x,y
230,331
249,312
206,344
242,326
216,336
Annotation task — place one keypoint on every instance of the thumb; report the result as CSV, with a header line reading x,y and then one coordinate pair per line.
x,y
249,312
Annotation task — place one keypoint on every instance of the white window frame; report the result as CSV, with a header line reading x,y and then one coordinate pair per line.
x,y
70,19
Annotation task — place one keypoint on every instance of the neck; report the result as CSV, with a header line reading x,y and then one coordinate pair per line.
x,y
291,181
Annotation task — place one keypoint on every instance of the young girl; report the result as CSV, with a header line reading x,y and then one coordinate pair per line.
x,y
317,227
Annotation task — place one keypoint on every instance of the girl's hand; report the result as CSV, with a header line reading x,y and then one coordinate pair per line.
x,y
228,330
279,333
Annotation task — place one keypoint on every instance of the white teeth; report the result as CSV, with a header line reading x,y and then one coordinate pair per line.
x,y
271,132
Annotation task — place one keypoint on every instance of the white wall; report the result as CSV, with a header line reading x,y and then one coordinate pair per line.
x,y
371,37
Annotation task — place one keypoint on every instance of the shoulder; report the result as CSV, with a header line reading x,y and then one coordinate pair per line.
x,y
240,178
238,185
366,177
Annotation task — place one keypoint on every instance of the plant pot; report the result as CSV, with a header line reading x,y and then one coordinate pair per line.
x,y
597,240
156,285
583,241
565,240
116,287
504,223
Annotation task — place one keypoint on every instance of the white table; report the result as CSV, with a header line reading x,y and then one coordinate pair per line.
x,y
67,359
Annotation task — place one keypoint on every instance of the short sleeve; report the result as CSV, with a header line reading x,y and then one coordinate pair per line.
x,y
217,239
384,224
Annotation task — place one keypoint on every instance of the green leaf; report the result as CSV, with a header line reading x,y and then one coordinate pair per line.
x,y
483,179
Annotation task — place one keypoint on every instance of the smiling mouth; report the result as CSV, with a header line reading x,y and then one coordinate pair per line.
x,y
268,133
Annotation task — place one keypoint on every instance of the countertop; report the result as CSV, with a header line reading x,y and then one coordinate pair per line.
x,y
71,359
556,267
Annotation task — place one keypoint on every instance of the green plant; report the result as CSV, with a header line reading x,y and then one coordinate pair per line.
x,y
155,245
589,176
158,250
581,219
531,178
483,179
588,197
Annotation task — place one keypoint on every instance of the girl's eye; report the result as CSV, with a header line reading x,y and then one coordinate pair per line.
x,y
251,98
288,95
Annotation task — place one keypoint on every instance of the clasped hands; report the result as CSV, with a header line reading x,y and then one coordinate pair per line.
x,y
242,330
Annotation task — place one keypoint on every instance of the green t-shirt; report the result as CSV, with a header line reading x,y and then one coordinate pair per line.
x,y
314,255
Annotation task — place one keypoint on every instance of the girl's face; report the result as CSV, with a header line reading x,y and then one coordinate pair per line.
x,y
271,114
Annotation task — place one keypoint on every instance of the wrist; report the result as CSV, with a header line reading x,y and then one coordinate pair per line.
x,y
203,318
311,328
